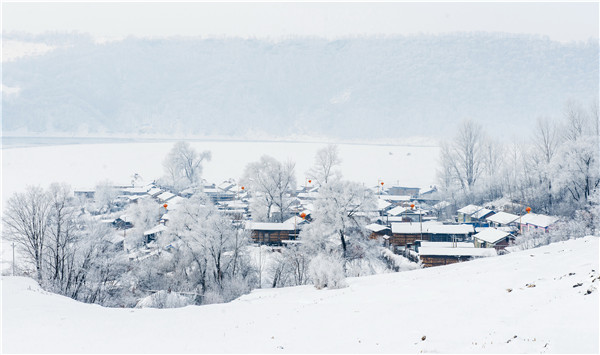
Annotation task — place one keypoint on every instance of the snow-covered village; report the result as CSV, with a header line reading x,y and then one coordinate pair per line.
x,y
188,192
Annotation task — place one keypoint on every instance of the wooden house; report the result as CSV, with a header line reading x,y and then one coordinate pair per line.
x,y
271,233
403,190
378,231
492,238
153,233
502,219
479,217
533,221
437,256
464,214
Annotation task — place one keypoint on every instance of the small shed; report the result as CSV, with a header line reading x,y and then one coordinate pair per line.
x,y
502,219
464,214
492,238
271,233
377,231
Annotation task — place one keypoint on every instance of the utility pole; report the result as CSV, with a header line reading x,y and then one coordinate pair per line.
x,y
13,269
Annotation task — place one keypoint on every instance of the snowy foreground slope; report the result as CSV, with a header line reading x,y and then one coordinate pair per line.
x,y
457,308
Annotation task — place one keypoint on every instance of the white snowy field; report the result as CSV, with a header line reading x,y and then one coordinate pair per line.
x,y
84,165
460,308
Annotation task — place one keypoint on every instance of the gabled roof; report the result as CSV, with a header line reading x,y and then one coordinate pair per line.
x,y
157,229
502,218
437,251
374,227
382,204
396,211
539,220
425,243
165,196
491,235
432,228
395,198
481,213
470,209
295,221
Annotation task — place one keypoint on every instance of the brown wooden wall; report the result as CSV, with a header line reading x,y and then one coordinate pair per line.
x,y
403,239
274,236
438,260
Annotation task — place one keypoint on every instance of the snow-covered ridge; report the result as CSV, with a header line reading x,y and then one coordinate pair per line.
x,y
540,300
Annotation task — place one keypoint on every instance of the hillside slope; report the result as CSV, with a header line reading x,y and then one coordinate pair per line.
x,y
461,308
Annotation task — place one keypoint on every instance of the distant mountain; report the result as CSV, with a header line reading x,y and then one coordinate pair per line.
x,y
354,88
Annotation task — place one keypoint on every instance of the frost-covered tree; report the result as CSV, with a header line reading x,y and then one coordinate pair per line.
x,y
212,250
104,197
463,159
271,184
143,215
183,166
339,217
577,170
27,223
326,160
62,232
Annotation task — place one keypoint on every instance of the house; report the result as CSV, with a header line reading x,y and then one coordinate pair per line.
x,y
492,238
449,232
533,221
402,190
396,199
377,231
271,233
502,219
479,218
464,214
424,243
406,233
437,256
153,233
165,196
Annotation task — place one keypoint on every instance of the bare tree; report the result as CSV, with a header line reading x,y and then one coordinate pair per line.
x,y
325,160
271,183
463,159
26,221
62,231
183,165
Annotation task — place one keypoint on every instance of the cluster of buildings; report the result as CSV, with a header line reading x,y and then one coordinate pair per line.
x,y
405,220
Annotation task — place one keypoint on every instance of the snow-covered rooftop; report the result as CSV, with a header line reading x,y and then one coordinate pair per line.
x,y
425,243
382,204
491,235
502,218
539,220
374,227
264,226
481,213
470,209
395,198
396,211
157,229
431,227
479,252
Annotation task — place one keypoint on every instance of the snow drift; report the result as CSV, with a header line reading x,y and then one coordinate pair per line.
x,y
541,300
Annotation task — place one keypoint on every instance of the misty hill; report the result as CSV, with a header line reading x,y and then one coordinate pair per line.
x,y
352,88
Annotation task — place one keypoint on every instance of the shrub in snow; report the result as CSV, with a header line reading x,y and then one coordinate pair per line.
x,y
164,299
212,296
327,271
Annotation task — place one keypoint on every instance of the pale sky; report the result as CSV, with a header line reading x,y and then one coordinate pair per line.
x,y
559,21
